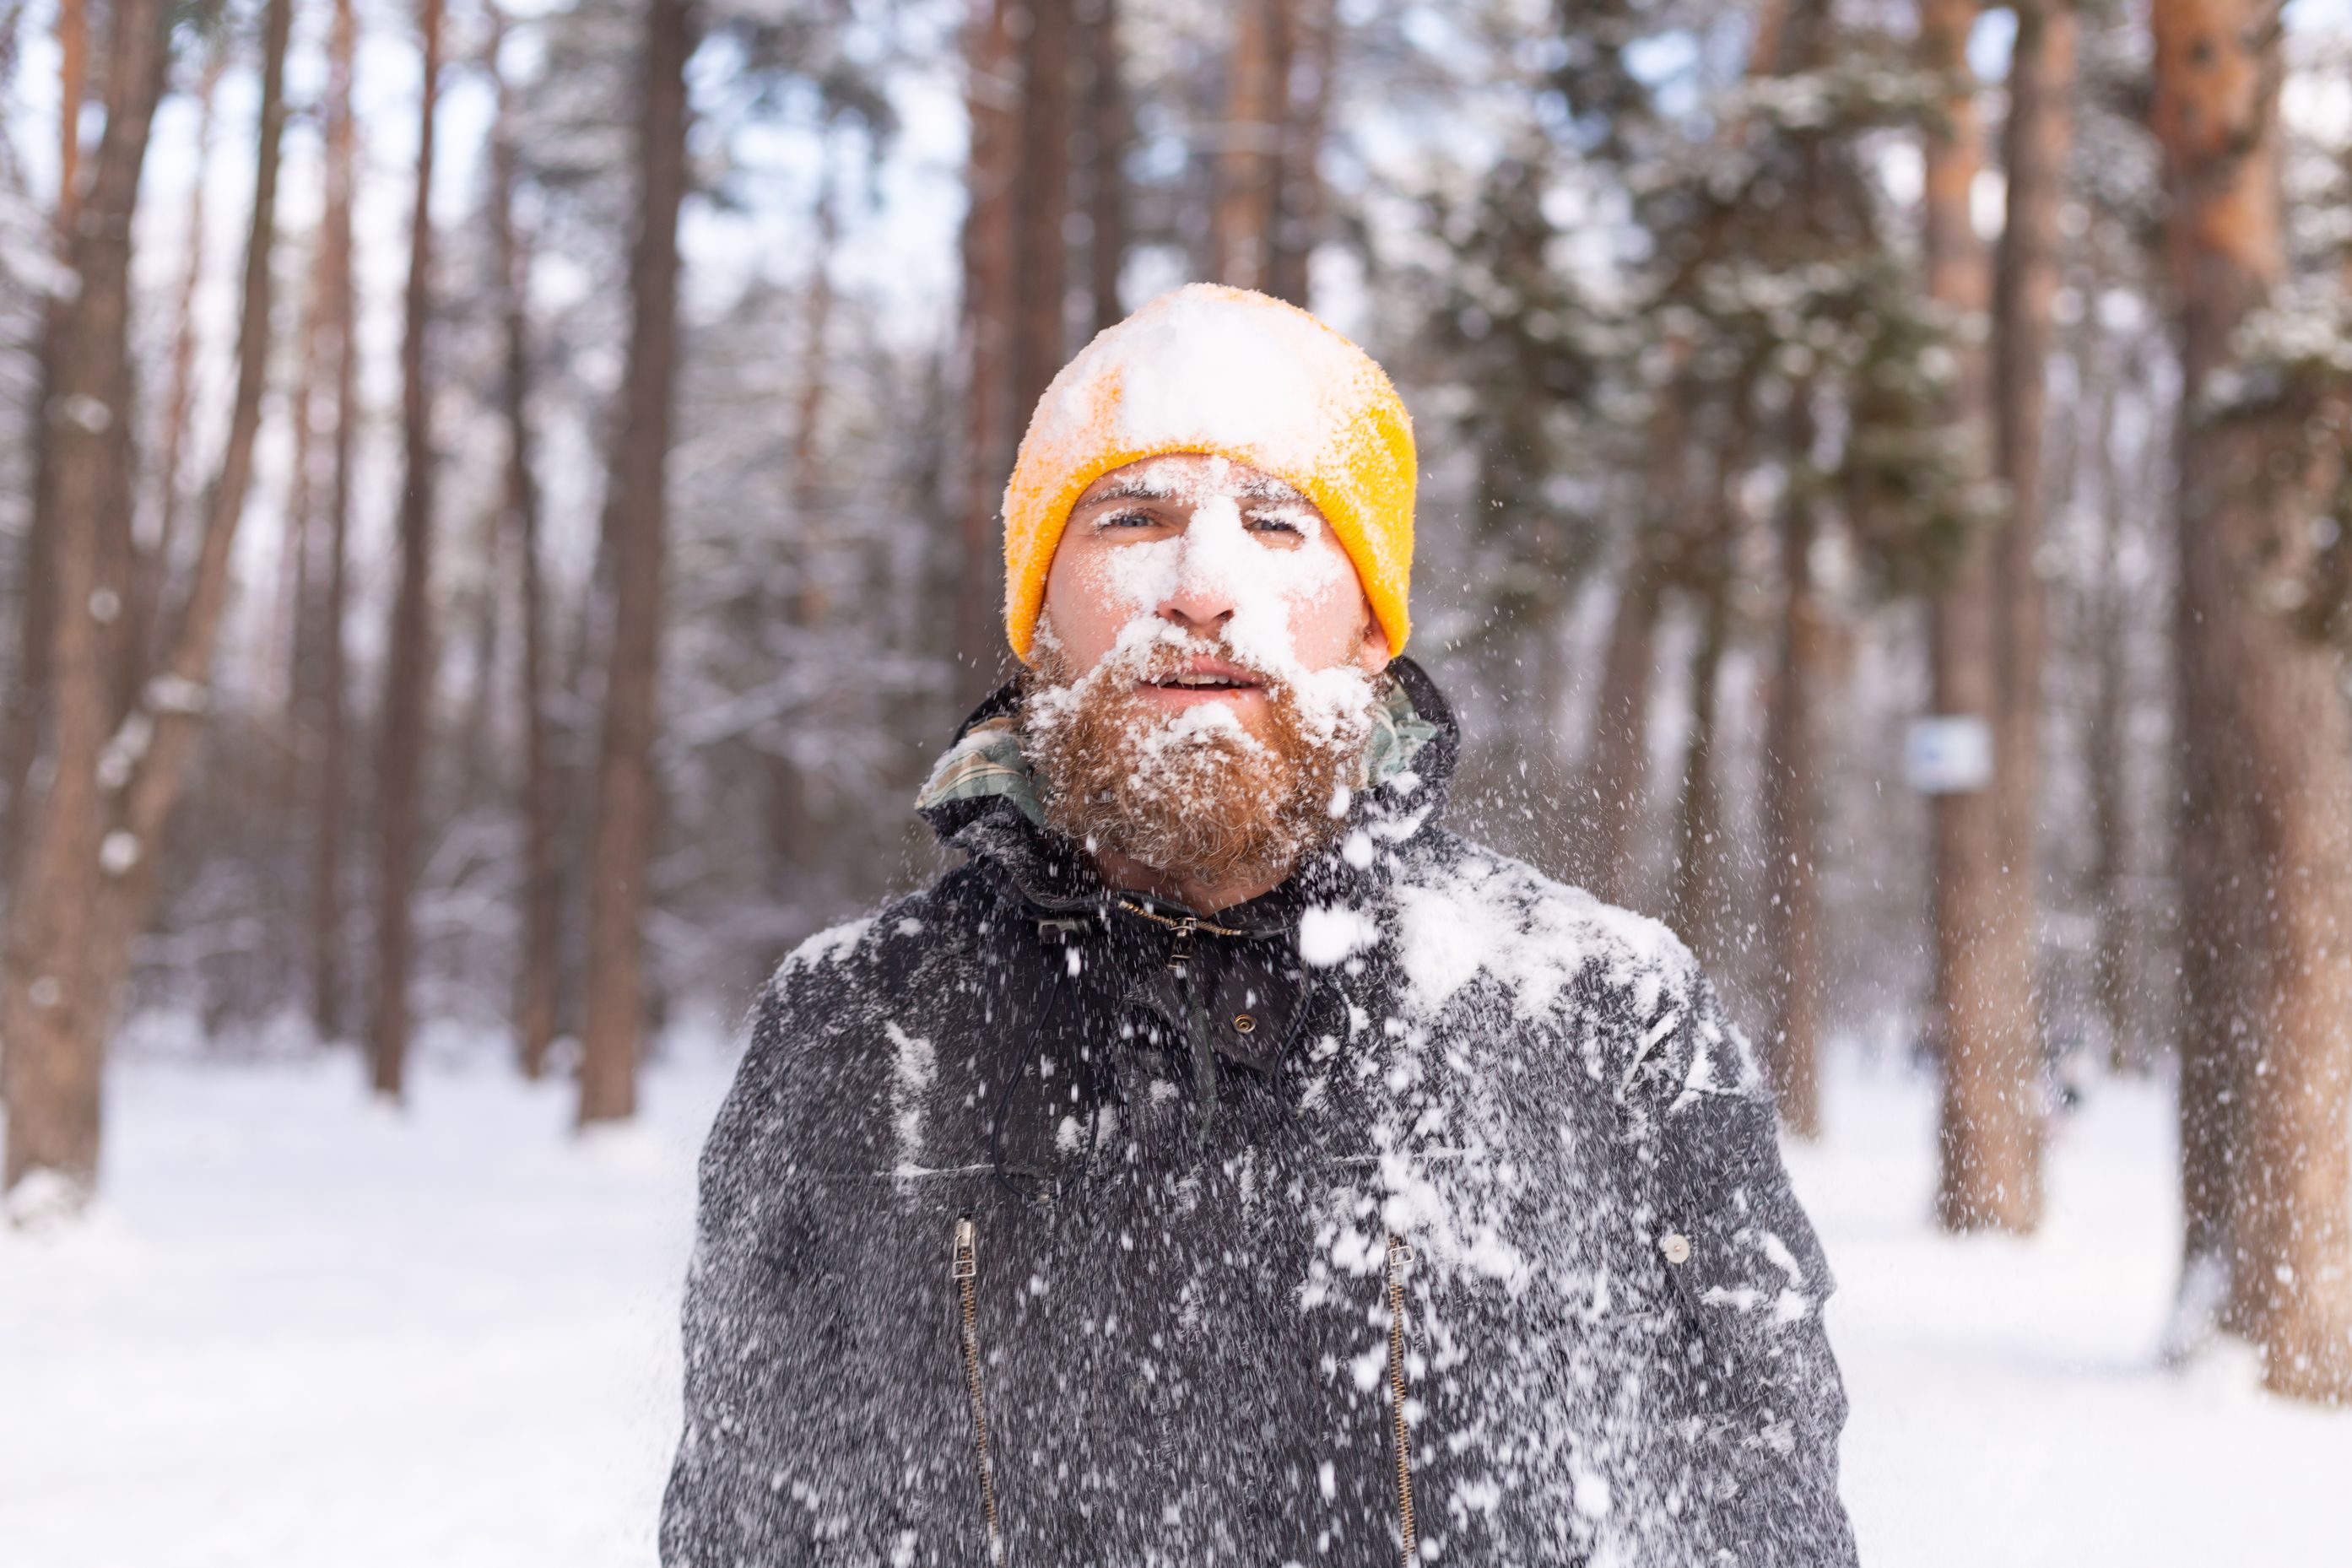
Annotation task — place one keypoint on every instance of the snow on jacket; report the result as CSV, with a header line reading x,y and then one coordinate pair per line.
x,y
1422,1199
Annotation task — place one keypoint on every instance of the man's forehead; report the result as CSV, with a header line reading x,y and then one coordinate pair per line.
x,y
1181,474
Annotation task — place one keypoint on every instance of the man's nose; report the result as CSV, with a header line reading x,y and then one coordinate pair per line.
x,y
1200,608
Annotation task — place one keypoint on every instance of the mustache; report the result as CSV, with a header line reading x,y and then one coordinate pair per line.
x,y
1158,659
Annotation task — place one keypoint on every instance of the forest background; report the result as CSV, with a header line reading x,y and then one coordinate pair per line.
x,y
498,514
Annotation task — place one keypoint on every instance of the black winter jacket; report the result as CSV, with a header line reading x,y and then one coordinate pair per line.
x,y
1422,1200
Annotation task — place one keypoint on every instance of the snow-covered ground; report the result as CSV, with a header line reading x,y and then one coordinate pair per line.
x,y
304,1331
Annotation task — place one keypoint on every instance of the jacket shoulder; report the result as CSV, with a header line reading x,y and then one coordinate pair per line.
x,y
1463,910
1623,984
832,1037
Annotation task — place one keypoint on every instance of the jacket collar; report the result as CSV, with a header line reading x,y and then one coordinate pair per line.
x,y
982,798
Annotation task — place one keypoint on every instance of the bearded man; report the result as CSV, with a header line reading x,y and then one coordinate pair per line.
x,y
1225,1163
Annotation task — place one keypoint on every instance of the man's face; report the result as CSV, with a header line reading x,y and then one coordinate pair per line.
x,y
1203,692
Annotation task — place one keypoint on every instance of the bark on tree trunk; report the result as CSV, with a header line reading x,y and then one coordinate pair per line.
x,y
1697,895
1616,778
624,805
2034,142
1615,783
409,647
27,713
1312,52
290,643
796,828
152,750
325,877
154,568
2103,754
1249,149
73,92
1041,205
50,1013
1106,143
1792,810
2267,754
535,999
993,102
1989,1133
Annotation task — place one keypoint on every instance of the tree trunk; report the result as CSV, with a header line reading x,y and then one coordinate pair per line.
x,y
289,646
1249,149
1615,784
409,657
1617,775
28,712
1700,892
153,569
2034,141
155,747
1698,897
69,927
1989,1133
1312,40
325,877
27,699
535,1000
993,102
1791,817
1041,206
796,832
53,1018
626,777
2104,756
1106,143
73,92
2267,754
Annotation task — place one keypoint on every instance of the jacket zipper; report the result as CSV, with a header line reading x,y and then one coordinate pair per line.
x,y
966,1272
1400,1255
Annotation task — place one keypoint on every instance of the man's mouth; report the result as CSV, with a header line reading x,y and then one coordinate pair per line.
x,y
1206,675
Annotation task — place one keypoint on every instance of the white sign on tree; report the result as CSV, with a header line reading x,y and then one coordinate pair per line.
x,y
1947,753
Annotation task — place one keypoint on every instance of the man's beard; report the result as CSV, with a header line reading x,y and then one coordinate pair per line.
x,y
1190,791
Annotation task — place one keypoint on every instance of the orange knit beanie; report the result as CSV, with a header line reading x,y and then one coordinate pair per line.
x,y
1234,374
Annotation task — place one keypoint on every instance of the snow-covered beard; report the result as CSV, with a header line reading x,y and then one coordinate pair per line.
x,y
1192,791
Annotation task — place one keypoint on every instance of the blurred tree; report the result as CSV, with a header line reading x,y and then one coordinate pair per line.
x,y
1309,60
94,882
2266,1054
325,935
409,659
991,100
25,721
1988,1136
635,524
154,566
535,995
51,1013
1267,188
1041,205
1107,138
1249,147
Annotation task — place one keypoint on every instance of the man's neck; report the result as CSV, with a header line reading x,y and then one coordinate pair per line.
x,y
1203,896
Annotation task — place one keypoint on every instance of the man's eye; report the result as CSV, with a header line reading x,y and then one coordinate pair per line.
x,y
1126,520
1275,522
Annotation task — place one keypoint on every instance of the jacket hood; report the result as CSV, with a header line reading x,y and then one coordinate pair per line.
x,y
982,798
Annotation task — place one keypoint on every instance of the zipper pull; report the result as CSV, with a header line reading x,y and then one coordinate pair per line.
x,y
967,1248
1180,947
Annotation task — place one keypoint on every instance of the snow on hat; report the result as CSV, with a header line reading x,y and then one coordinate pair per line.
x,y
1230,373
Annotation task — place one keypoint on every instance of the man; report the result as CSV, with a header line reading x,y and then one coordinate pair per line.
x,y
1227,1164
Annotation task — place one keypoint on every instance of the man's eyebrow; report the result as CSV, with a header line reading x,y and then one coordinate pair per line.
x,y
1274,489
1133,489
